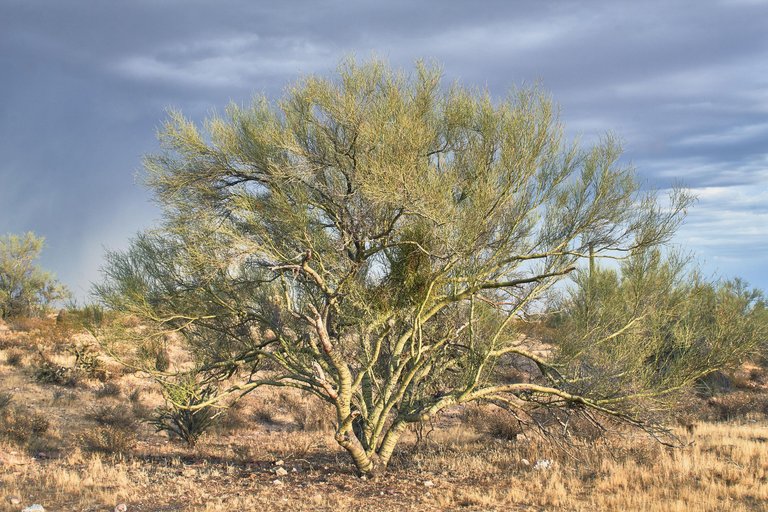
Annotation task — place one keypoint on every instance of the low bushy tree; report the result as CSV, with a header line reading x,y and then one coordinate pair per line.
x,y
25,289
374,240
643,332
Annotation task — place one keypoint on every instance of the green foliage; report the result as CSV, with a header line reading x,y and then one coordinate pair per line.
x,y
25,289
651,328
373,240
186,414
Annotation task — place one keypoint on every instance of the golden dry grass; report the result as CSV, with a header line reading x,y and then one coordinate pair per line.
x,y
458,467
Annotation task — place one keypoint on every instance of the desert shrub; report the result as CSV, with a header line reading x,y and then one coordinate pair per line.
x,y
264,413
183,415
22,425
25,288
758,376
497,423
62,396
87,362
91,315
110,440
310,415
232,419
117,416
715,383
14,358
108,389
48,372
738,405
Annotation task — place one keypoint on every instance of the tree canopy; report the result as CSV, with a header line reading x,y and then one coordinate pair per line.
x,y
376,240
25,288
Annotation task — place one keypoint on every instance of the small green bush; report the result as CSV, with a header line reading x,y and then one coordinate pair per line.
x,y
181,417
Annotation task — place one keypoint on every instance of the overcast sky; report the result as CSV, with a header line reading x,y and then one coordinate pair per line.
x,y
85,84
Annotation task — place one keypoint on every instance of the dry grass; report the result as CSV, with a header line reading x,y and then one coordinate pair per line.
x,y
470,461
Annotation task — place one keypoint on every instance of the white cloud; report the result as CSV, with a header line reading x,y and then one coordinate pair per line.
x,y
226,62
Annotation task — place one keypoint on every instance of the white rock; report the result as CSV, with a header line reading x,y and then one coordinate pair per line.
x,y
281,472
34,508
429,483
525,462
121,507
542,464
15,500
279,463
277,481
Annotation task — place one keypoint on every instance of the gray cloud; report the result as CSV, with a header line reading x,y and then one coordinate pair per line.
x,y
85,85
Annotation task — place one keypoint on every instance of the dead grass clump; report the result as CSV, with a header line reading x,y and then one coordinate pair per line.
x,y
497,423
109,440
21,425
117,416
108,389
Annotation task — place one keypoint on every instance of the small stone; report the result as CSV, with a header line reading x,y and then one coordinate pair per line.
x,y
294,470
279,463
277,481
15,500
542,464
525,462
363,477
429,483
34,508
281,472
121,507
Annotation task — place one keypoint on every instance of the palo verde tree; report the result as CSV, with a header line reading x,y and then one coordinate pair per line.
x,y
25,288
373,240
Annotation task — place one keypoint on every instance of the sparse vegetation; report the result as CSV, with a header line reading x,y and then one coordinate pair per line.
x,y
484,460
378,258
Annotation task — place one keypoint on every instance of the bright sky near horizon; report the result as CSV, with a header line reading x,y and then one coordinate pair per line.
x,y
84,86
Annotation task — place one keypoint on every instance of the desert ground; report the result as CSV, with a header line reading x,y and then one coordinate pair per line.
x,y
78,440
